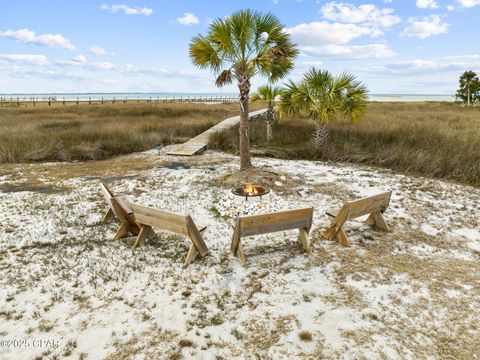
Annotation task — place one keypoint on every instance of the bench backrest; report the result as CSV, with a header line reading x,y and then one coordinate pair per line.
x,y
273,222
122,209
366,205
165,220
106,192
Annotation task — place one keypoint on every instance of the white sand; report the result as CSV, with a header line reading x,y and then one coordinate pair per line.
x,y
106,298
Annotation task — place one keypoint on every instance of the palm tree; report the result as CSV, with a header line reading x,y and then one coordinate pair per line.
x,y
238,47
469,87
268,94
323,97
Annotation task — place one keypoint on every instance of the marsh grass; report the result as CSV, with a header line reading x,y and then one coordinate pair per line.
x,y
439,140
92,132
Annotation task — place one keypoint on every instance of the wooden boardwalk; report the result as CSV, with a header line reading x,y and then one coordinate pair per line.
x,y
199,143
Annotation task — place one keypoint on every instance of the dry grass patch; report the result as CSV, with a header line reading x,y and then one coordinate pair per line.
x,y
448,326
305,335
26,175
185,343
262,333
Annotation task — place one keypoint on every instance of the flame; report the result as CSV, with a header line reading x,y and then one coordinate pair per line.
x,y
250,189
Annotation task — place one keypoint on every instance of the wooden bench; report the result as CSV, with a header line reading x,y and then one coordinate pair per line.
x,y
147,217
300,219
119,207
374,205
122,209
107,195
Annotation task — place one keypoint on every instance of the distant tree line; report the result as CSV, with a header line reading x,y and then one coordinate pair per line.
x,y
469,90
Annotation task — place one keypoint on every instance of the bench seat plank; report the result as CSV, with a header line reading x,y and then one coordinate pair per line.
x,y
300,219
149,217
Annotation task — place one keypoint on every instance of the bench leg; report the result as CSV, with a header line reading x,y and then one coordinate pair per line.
x,y
370,220
133,228
151,234
241,254
191,255
330,232
303,239
342,238
121,232
144,233
109,215
235,240
380,221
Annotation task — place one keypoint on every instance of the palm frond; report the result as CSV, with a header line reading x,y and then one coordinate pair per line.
x,y
248,43
204,55
224,78
324,97
266,93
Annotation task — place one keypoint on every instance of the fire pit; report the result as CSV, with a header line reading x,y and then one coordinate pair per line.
x,y
250,190
247,199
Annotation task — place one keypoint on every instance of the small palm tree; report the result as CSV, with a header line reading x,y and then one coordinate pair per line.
x,y
469,87
238,47
267,94
323,97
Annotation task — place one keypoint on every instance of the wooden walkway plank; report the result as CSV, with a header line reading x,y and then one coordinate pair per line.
x,y
199,143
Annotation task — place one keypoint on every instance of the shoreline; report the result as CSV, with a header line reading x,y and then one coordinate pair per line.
x,y
119,97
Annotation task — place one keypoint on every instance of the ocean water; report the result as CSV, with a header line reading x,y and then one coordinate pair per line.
x,y
163,95
410,97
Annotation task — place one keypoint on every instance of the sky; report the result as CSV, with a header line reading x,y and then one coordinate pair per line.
x,y
393,46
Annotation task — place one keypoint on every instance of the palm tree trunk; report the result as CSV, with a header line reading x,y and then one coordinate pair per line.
x,y
244,131
269,132
269,120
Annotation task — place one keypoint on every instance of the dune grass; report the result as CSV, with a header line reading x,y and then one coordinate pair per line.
x,y
84,132
440,140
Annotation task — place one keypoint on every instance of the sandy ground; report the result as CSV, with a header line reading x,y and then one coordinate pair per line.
x,y
68,291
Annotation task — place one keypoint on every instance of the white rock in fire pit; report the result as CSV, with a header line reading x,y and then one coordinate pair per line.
x,y
232,205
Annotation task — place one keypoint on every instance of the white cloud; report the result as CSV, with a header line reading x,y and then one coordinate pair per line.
x,y
366,14
427,4
39,60
454,64
22,72
308,64
28,36
47,73
331,39
81,61
127,10
97,50
80,58
424,28
468,3
443,65
188,19
369,51
321,33
450,8
429,75
134,70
